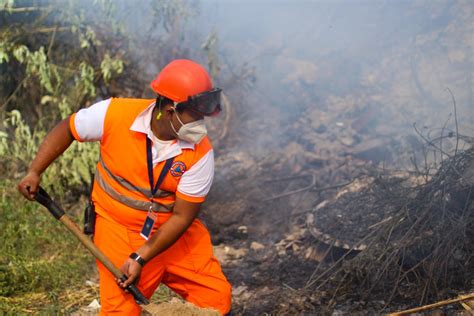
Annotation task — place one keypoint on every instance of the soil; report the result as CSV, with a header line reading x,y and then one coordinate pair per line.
x,y
272,244
286,215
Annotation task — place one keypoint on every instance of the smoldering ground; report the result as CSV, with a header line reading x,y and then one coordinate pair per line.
x,y
340,88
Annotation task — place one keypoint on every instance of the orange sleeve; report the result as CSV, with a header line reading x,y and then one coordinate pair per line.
x,y
72,128
189,198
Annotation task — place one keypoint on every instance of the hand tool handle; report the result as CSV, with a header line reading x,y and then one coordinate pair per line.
x,y
44,199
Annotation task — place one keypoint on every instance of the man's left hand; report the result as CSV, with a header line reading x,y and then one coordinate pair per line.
x,y
132,270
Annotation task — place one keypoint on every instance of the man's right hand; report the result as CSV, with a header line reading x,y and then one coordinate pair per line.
x,y
28,186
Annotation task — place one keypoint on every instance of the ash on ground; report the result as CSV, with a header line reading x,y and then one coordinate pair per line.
x,y
339,232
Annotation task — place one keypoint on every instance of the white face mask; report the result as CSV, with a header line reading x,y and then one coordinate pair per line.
x,y
192,132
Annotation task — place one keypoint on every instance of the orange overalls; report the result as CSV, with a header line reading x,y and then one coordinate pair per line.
x,y
188,267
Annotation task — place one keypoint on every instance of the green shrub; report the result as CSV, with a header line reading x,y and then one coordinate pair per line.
x,y
37,253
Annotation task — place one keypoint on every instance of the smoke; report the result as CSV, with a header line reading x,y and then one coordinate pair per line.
x,y
280,60
396,57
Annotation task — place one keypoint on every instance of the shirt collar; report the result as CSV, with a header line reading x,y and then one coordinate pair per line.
x,y
141,124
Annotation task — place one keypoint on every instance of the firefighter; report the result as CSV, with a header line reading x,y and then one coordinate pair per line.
x,y
155,169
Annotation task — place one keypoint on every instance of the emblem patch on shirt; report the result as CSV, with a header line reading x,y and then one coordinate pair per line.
x,y
177,169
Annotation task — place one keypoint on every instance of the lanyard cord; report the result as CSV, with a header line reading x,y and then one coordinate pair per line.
x,y
164,171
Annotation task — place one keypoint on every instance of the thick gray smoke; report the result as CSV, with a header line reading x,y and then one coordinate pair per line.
x,y
395,57
383,64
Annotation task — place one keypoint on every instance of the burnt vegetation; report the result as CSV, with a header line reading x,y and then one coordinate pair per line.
x,y
378,241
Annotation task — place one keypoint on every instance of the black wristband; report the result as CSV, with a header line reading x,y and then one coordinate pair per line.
x,y
137,258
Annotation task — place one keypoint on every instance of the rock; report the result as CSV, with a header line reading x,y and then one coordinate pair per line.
x,y
239,290
93,306
242,229
225,254
92,283
346,140
92,309
256,246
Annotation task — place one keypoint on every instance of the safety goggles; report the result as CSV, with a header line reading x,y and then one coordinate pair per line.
x,y
207,103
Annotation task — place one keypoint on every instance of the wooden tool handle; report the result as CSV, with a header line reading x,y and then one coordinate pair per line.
x,y
43,198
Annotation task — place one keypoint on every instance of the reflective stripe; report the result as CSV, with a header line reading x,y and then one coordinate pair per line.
x,y
131,187
133,203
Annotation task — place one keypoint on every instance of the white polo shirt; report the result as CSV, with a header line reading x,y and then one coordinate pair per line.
x,y
196,181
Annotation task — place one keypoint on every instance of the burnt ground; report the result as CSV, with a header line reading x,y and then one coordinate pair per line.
x,y
339,227
289,247
259,235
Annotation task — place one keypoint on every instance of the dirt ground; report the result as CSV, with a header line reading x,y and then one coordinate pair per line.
x,y
287,217
273,246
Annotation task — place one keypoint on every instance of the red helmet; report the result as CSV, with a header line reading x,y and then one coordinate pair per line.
x,y
185,81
